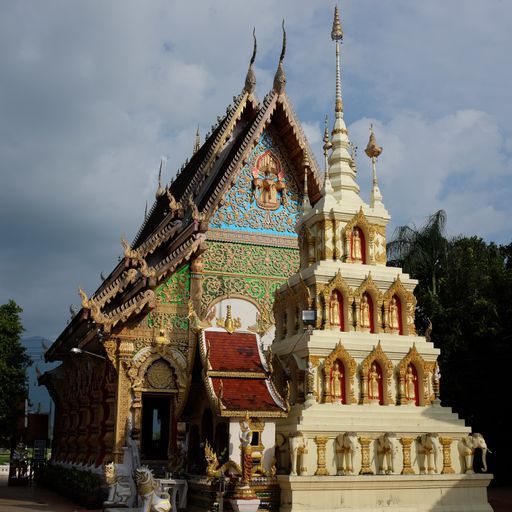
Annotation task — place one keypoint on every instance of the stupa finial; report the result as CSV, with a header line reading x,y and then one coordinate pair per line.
x,y
337,37
280,77
373,150
250,78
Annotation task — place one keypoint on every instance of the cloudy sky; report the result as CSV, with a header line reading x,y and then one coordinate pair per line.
x,y
94,93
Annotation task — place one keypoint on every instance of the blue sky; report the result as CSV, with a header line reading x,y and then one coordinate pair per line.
x,y
93,94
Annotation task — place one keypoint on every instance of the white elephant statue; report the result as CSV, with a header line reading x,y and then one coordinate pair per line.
x,y
346,447
428,451
387,449
467,446
298,448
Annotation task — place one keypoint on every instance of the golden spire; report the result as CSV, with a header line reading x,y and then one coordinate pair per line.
x,y
280,77
229,323
160,191
250,78
337,36
197,143
373,150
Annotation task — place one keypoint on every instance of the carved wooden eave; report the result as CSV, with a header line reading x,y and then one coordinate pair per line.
x,y
116,287
377,354
164,232
125,311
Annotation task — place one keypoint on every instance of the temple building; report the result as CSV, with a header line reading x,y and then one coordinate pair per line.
x,y
256,290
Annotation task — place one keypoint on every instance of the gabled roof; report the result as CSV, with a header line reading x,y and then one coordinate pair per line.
x,y
168,237
236,376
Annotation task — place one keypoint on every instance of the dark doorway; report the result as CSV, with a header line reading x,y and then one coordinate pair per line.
x,y
156,414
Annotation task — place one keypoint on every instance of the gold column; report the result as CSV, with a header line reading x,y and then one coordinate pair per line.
x,y
406,444
320,451
365,456
123,398
446,442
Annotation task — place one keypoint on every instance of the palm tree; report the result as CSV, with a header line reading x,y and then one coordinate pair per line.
x,y
421,252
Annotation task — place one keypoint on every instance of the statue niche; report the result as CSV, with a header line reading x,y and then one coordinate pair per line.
x,y
375,385
336,316
337,383
357,246
366,314
395,315
268,184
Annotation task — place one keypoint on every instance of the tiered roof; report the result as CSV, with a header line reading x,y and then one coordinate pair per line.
x,y
175,228
236,375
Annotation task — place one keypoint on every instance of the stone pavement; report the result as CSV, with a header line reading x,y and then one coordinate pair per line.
x,y
34,499
38,499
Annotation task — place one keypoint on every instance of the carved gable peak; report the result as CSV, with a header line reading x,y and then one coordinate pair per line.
x,y
359,220
377,354
337,283
368,285
341,353
413,356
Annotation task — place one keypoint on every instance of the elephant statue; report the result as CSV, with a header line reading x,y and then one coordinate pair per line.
x,y
386,451
298,448
467,446
346,446
428,450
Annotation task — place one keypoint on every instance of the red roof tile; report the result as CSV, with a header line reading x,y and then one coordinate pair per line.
x,y
241,394
233,352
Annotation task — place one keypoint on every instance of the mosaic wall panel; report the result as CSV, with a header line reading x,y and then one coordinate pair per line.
x,y
176,289
258,289
277,262
244,208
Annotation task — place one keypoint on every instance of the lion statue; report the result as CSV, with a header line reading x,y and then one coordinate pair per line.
x,y
118,492
148,488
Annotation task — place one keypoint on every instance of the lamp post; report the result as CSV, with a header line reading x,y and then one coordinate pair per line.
x,y
76,350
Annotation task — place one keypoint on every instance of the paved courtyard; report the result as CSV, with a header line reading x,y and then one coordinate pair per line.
x,y
38,499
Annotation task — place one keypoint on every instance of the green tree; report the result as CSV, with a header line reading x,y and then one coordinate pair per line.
x,y
13,370
465,289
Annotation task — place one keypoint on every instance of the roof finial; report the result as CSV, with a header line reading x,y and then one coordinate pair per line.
x,y
250,79
160,191
306,204
373,150
280,77
146,210
327,146
337,36
197,143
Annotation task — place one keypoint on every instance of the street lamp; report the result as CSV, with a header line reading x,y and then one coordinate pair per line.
x,y
76,350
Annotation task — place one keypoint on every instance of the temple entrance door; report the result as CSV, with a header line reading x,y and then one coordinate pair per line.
x,y
156,419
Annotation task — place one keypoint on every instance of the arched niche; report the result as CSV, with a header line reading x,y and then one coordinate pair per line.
x,y
386,366
358,227
345,298
406,303
340,354
249,313
421,370
368,303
